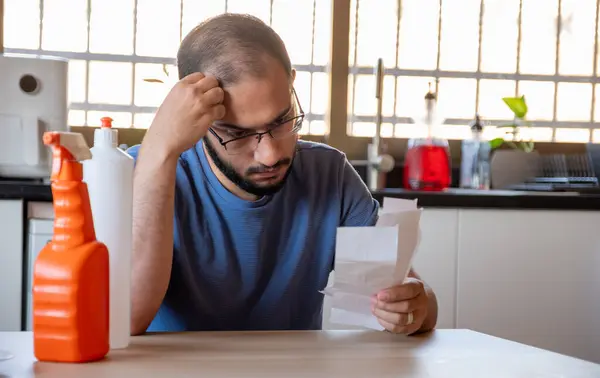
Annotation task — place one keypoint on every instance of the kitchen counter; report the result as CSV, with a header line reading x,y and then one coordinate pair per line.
x,y
442,353
452,198
496,199
28,190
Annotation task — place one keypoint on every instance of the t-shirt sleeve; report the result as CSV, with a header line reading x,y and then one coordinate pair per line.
x,y
359,208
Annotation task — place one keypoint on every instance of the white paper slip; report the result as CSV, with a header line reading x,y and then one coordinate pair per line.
x,y
370,259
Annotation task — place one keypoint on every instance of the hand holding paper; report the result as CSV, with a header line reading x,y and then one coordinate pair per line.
x,y
371,259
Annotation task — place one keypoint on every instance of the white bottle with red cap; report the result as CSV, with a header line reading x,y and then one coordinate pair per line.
x,y
109,177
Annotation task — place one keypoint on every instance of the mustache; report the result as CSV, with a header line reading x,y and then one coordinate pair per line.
x,y
265,168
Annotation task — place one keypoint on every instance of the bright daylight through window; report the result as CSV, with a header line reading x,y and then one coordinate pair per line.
x,y
480,50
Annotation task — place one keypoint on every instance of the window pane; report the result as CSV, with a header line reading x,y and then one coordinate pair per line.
x,y
377,25
151,94
453,132
77,80
318,128
305,129
322,46
538,40
572,135
258,8
194,12
302,87
577,37
499,38
597,104
110,83
410,130
76,118
158,28
574,102
460,35
596,136
539,96
120,119
491,93
536,134
320,93
350,95
116,36
22,24
293,22
419,34
363,129
365,102
364,95
352,39
387,130
62,33
410,94
457,98
143,120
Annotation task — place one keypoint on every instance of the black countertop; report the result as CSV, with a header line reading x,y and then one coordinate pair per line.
x,y
27,190
452,198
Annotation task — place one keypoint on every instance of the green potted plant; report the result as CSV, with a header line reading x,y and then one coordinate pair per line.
x,y
518,106
515,164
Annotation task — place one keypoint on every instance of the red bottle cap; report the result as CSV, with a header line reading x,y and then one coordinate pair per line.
x,y
106,122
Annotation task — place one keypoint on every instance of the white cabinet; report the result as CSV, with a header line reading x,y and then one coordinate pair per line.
x,y
532,276
435,260
11,264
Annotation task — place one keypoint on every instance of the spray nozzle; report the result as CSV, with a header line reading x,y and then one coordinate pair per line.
x,y
66,147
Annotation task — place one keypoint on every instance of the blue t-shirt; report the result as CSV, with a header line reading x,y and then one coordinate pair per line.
x,y
243,265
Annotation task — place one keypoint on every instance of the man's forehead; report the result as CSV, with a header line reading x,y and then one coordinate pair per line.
x,y
249,106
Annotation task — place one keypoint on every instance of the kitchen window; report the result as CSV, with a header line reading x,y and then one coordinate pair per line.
x,y
473,52
114,45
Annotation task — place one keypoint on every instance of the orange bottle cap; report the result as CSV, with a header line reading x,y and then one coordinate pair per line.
x,y
106,122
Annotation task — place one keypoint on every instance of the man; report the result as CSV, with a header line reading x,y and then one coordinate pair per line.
x,y
235,218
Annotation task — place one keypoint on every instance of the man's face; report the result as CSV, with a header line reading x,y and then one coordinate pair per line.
x,y
256,105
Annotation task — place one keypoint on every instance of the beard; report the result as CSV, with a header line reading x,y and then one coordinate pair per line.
x,y
243,183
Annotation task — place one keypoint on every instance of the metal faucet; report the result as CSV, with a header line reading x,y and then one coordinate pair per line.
x,y
378,163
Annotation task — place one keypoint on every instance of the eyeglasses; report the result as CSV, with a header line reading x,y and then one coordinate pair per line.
x,y
248,141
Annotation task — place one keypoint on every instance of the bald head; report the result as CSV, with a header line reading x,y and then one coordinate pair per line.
x,y
231,46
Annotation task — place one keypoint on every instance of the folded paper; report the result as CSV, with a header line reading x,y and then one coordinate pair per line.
x,y
370,259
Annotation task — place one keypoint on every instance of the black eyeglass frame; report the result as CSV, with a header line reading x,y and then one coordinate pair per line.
x,y
297,119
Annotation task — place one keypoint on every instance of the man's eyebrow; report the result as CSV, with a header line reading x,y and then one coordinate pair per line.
x,y
240,128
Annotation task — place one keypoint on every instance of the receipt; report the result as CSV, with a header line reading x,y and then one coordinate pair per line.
x,y
369,259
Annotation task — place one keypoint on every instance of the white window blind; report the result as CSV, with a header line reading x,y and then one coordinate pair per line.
x,y
481,51
113,45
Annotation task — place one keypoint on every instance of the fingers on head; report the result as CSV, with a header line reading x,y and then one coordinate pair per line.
x,y
214,96
193,78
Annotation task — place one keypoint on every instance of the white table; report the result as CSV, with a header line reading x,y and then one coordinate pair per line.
x,y
346,354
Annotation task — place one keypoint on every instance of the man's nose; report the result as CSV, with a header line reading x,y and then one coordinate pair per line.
x,y
267,152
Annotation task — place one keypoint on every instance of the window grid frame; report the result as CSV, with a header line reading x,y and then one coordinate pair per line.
x,y
134,59
479,75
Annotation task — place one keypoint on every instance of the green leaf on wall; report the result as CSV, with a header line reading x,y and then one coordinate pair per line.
x,y
517,105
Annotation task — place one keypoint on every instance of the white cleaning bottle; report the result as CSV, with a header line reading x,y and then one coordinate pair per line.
x,y
109,177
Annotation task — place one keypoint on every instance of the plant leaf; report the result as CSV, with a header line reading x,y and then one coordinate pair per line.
x,y
154,81
165,70
517,105
496,142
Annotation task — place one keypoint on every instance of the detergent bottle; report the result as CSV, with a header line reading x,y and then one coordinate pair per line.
x,y
70,274
109,177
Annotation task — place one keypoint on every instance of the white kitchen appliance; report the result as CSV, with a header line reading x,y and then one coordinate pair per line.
x,y
40,234
33,99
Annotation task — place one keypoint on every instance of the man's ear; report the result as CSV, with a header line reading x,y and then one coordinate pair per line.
x,y
293,75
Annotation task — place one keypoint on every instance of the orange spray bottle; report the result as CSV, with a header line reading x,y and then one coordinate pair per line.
x,y
71,273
